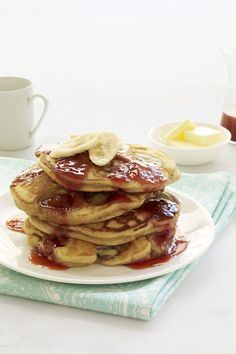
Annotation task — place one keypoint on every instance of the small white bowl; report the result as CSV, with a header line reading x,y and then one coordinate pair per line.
x,y
189,156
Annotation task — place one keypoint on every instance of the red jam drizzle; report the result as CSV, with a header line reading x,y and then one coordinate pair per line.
x,y
47,246
37,258
15,225
160,207
117,198
71,171
43,254
63,202
132,170
156,208
178,247
24,176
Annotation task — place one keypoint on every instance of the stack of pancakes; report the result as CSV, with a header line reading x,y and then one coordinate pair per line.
x,y
80,213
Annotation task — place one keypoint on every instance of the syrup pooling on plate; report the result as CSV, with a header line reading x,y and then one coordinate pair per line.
x,y
38,259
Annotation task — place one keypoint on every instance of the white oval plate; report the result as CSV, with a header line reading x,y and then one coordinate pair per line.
x,y
195,222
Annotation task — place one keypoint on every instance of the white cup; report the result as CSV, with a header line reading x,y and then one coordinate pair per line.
x,y
17,124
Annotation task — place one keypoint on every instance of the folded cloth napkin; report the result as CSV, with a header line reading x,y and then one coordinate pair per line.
x,y
141,299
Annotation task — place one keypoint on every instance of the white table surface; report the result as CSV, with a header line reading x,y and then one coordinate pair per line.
x,y
200,317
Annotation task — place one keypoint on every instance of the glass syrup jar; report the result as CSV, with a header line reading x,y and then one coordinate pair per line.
x,y
228,119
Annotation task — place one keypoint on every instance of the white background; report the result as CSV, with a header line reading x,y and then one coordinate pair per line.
x,y
126,66
89,54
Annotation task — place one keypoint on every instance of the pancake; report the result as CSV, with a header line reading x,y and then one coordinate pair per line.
x,y
144,248
65,251
74,253
134,169
134,251
39,195
157,215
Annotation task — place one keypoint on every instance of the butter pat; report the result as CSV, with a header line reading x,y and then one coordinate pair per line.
x,y
202,136
182,144
178,132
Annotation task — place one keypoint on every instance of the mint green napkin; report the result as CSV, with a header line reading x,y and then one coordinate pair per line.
x,y
141,299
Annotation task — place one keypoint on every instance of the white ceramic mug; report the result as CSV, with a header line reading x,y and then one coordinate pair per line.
x,y
17,124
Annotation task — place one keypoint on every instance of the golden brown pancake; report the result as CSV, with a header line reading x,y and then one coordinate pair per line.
x,y
157,215
134,251
73,253
134,169
66,251
39,195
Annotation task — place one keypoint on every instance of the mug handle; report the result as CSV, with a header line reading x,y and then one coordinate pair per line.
x,y
43,113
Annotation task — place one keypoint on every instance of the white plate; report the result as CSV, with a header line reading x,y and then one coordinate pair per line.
x,y
194,221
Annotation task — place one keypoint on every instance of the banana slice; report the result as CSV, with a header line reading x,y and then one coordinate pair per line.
x,y
76,145
105,150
